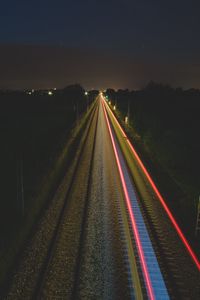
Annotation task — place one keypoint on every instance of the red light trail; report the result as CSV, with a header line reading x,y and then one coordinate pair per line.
x,y
133,222
162,201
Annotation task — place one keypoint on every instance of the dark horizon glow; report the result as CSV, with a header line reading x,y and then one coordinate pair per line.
x,y
43,67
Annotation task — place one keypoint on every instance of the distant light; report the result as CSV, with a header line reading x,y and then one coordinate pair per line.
x,y
86,93
126,120
50,93
33,91
114,107
55,89
109,102
29,93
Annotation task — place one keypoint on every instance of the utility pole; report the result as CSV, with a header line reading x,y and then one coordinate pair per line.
x,y
77,116
128,114
115,106
86,94
22,185
198,219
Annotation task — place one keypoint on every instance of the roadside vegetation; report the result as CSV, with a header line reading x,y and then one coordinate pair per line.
x,y
35,127
164,125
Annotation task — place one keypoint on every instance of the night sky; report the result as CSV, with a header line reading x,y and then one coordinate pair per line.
x,y
120,44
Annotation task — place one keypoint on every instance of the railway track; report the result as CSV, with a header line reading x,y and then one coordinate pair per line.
x,y
26,278
42,288
152,277
109,209
176,266
84,220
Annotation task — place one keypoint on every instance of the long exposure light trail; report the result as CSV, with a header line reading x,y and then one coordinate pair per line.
x,y
161,199
133,222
